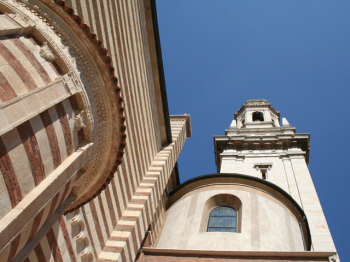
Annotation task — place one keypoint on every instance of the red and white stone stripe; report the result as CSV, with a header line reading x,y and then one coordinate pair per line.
x,y
21,239
30,152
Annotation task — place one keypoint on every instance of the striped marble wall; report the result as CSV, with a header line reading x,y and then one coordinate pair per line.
x,y
35,224
33,149
118,26
112,226
107,233
22,69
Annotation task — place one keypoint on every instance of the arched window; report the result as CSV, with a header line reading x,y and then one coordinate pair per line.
x,y
258,116
222,219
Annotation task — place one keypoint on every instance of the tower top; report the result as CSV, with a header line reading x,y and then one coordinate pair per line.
x,y
255,130
256,104
256,114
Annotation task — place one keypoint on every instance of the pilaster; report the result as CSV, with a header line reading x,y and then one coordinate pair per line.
x,y
321,236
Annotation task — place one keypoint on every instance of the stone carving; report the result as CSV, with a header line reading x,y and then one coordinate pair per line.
x,y
83,247
46,53
334,258
71,83
79,120
86,254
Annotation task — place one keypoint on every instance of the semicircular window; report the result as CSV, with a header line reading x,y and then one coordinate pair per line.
x,y
222,219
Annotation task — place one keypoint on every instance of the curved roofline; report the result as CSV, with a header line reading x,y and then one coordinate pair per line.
x,y
255,179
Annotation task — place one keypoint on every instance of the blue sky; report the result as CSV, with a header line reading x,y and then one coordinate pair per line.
x,y
295,54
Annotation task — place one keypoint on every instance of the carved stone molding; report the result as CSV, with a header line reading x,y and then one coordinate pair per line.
x,y
71,83
262,143
79,120
334,258
14,24
258,166
46,53
83,244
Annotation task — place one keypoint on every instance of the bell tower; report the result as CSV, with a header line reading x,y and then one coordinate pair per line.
x,y
257,144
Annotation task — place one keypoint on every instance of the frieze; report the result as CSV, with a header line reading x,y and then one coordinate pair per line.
x,y
262,144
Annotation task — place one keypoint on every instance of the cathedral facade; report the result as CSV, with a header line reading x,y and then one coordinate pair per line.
x,y
88,151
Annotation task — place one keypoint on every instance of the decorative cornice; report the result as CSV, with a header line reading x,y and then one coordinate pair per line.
x,y
280,141
260,143
257,103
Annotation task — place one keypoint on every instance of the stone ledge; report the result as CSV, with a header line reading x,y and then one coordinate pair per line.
x,y
13,24
239,254
186,118
25,107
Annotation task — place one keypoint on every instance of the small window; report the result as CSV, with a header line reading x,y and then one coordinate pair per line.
x,y
223,219
264,169
258,116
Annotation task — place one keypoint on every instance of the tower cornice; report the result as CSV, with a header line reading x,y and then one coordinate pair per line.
x,y
282,143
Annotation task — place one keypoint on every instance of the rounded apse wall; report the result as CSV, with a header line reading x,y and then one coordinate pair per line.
x,y
264,220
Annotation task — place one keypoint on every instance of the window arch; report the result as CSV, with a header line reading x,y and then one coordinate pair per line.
x,y
222,219
221,200
258,116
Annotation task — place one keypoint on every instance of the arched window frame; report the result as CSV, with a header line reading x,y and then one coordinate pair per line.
x,y
225,225
221,200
